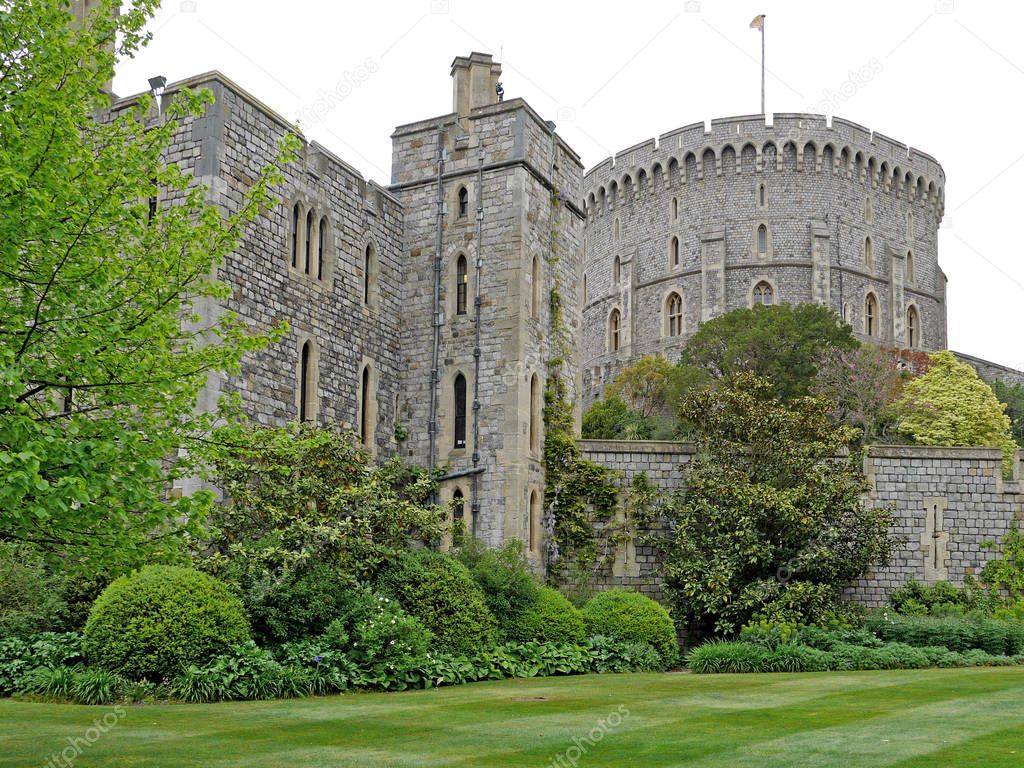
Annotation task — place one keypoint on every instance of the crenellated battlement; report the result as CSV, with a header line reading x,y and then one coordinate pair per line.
x,y
748,144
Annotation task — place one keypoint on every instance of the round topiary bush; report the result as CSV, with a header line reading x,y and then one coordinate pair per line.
x,y
551,618
440,592
627,615
153,623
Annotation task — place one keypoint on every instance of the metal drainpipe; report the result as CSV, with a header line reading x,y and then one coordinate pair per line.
x,y
438,315
475,505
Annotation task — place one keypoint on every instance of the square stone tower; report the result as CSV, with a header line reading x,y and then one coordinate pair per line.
x,y
492,226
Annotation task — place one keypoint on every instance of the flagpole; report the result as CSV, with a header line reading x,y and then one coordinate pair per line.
x,y
762,65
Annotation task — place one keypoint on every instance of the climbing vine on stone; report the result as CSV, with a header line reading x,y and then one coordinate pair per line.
x,y
580,497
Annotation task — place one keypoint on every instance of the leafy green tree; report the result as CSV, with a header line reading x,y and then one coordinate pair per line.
x,y
770,523
102,351
780,343
1013,396
299,496
863,384
951,405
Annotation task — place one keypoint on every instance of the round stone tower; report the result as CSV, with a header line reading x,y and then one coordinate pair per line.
x,y
700,222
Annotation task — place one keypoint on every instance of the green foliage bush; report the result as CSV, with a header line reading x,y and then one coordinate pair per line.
x,y
29,604
727,656
941,598
155,622
439,591
244,672
630,616
302,495
610,655
955,633
509,588
298,604
550,619
20,656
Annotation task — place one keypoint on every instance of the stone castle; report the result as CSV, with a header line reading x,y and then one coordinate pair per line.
x,y
420,312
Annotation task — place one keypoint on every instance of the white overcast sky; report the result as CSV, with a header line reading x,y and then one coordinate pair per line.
x,y
948,79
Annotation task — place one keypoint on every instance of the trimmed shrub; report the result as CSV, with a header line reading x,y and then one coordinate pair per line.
x,y
510,590
155,622
439,591
550,619
627,615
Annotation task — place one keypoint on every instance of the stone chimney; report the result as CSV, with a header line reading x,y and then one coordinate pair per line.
x,y
475,79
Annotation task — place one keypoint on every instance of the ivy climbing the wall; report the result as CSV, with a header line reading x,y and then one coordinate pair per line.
x,y
580,497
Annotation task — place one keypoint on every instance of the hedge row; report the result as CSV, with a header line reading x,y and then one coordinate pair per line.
x,y
740,656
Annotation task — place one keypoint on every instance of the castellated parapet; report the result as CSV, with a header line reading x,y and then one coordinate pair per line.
x,y
705,219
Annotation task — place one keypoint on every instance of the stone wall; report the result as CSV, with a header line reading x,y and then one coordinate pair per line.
x,y
947,502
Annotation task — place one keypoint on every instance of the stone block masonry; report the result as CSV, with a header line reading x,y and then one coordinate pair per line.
x,y
947,503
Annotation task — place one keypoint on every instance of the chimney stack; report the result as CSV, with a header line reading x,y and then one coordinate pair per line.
x,y
475,80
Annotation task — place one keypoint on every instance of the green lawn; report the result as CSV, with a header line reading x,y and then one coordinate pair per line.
x,y
933,718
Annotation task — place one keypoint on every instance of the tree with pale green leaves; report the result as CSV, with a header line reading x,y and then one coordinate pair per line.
x,y
950,405
102,351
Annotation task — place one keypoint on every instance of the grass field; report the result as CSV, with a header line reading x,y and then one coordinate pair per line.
x,y
933,718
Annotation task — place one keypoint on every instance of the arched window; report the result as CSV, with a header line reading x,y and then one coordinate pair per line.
x,y
762,240
674,314
458,505
585,288
675,208
869,256
459,389
309,241
534,521
910,226
307,385
534,413
321,248
614,330
616,271
618,229
461,285
913,328
871,315
535,289
868,210
909,271
295,235
369,276
761,195
463,202
764,293
673,251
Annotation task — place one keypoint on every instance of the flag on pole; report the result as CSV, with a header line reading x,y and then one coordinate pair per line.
x,y
758,22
